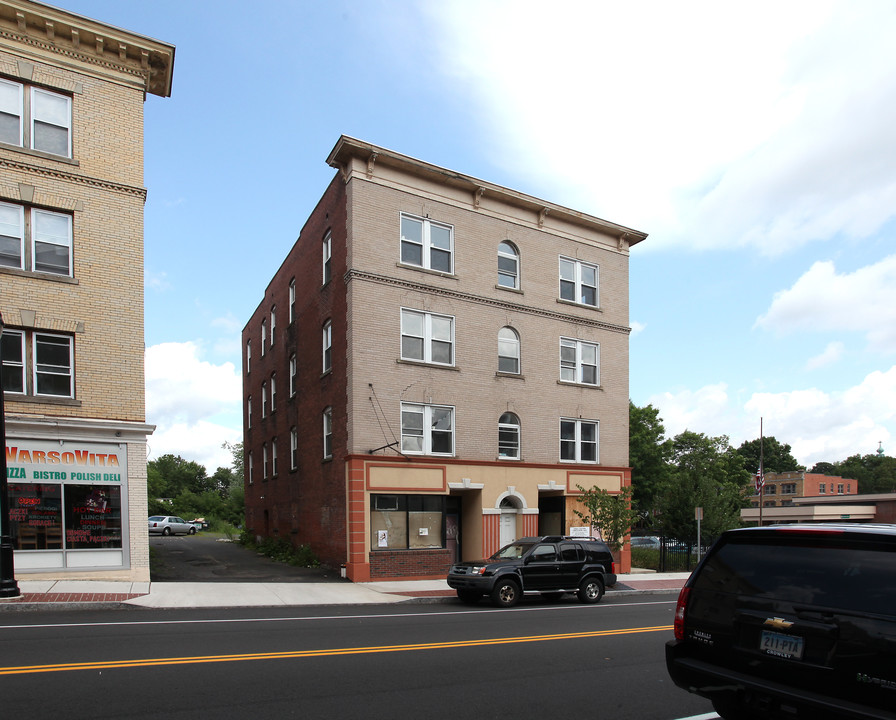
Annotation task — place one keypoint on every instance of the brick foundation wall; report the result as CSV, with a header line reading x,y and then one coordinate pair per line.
x,y
409,563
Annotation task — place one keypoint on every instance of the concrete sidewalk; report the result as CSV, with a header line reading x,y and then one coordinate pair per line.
x,y
59,594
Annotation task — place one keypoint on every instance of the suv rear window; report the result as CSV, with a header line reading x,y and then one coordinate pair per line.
x,y
848,575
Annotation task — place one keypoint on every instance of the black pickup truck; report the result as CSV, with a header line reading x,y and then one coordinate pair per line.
x,y
551,565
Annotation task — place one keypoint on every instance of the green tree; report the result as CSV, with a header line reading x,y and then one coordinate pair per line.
x,y
708,473
170,475
649,453
611,512
776,456
875,472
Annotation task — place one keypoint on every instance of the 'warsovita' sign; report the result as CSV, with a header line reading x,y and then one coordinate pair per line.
x,y
36,461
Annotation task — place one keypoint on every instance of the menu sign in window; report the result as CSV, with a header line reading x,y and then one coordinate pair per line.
x,y
35,516
92,516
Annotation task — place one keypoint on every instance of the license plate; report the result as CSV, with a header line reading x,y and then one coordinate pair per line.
x,y
785,646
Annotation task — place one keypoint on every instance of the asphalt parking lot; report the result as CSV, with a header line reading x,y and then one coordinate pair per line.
x,y
210,558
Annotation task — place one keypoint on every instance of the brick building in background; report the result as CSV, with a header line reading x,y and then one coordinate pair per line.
x,y
781,489
71,288
434,368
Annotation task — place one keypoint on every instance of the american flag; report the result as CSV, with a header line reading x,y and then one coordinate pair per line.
x,y
759,479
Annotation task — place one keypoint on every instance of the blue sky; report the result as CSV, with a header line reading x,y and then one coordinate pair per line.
x,y
754,143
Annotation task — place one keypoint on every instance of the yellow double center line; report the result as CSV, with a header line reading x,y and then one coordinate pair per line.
x,y
151,662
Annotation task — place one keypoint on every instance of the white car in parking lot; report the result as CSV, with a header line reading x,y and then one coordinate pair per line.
x,y
170,525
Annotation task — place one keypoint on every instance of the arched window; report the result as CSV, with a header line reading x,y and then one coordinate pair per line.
x,y
508,266
508,351
509,437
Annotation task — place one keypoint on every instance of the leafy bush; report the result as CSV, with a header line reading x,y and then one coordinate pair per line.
x,y
281,550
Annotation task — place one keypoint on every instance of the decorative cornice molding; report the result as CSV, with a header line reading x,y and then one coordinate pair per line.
x,y
72,178
481,300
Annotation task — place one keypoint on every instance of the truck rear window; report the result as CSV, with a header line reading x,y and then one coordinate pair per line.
x,y
842,575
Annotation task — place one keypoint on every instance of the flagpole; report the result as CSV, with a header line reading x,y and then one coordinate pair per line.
x,y
761,472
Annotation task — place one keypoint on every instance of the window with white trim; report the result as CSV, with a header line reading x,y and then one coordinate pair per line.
x,y
293,370
35,118
427,429
292,301
251,468
249,412
509,436
264,400
508,351
38,364
264,335
264,459
427,337
274,456
273,392
327,340
328,432
579,282
579,361
35,240
427,244
508,266
248,356
579,440
327,252
293,448
273,323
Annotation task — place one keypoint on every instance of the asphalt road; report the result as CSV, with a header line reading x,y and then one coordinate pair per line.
x,y
208,558
426,661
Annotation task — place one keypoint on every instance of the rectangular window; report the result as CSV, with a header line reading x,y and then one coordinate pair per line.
x,y
264,400
264,336
328,433
407,522
273,393
35,240
821,489
327,251
274,456
264,460
12,350
839,489
249,412
35,118
292,301
427,244
251,468
579,361
248,356
426,337
293,448
579,282
273,323
327,340
427,429
293,369
579,440
50,358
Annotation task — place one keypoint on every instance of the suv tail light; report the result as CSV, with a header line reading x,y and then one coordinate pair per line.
x,y
680,609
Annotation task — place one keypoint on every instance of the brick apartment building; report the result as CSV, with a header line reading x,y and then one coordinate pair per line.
x,y
781,489
71,288
434,368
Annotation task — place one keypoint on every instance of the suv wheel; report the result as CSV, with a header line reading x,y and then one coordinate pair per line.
x,y
506,593
471,597
591,590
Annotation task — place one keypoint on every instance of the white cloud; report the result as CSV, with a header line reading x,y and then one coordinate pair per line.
x,y
700,122
195,404
818,425
637,328
832,353
823,300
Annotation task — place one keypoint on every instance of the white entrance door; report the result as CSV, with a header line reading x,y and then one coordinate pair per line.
x,y
508,527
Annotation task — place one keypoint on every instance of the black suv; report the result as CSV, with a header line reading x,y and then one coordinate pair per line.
x,y
792,621
550,565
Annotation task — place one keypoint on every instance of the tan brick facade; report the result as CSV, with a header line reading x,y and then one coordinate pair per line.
x,y
98,304
485,497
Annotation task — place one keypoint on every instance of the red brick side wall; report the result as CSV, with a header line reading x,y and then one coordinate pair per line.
x,y
305,505
396,564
